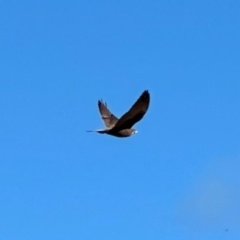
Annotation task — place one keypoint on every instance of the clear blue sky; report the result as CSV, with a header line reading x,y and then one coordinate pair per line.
x,y
178,178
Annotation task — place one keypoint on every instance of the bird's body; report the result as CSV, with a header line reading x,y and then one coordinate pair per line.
x,y
123,127
120,133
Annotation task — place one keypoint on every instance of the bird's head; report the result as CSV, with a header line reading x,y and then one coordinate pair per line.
x,y
134,131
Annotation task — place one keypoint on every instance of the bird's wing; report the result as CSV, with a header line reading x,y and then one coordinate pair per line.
x,y
135,114
108,118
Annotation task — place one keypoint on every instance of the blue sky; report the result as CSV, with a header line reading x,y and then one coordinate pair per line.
x,y
178,178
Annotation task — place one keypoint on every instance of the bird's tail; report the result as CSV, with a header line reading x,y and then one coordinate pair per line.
x,y
98,131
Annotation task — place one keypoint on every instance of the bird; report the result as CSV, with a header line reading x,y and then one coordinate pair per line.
x,y
122,127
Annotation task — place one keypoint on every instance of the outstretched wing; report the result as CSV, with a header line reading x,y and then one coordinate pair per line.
x,y
135,114
109,119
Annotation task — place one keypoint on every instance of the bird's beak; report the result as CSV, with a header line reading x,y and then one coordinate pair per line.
x,y
136,131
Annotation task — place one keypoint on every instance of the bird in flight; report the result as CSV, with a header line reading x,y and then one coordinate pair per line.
x,y
123,127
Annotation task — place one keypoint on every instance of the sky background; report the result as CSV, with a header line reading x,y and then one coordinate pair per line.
x,y
178,178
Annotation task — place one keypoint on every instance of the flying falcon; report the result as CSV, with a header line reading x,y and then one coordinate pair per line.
x,y
123,127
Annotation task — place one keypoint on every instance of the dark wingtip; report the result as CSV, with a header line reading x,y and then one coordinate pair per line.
x,y
146,94
100,102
